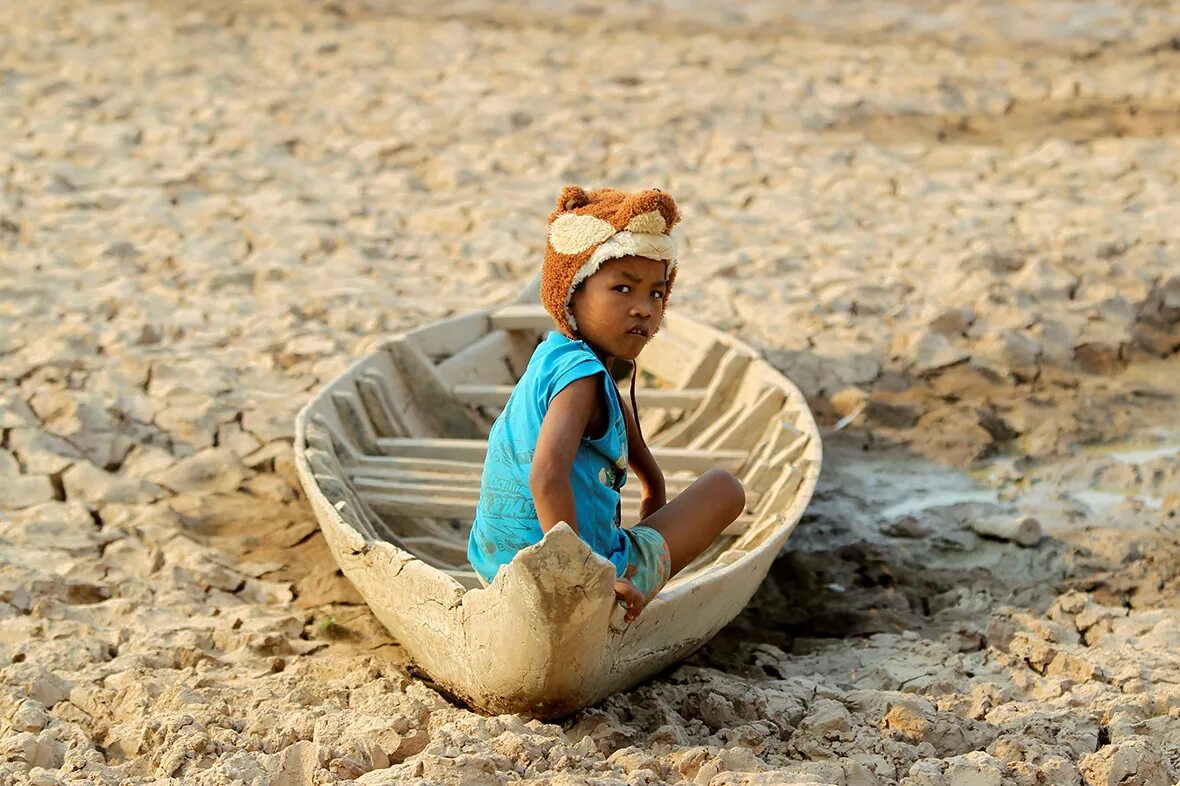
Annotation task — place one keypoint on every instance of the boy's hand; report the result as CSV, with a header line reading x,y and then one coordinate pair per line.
x,y
631,597
649,503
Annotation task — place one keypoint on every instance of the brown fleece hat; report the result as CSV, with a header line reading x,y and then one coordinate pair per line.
x,y
588,228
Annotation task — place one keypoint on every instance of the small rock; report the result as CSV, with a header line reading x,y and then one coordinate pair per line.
x,y
633,759
1057,338
41,453
445,221
132,557
311,345
87,483
9,466
925,772
1024,531
36,750
848,401
192,418
1155,341
1046,280
1130,761
908,722
934,351
890,414
296,764
269,486
39,776
962,540
68,526
24,491
267,453
906,527
1114,310
208,471
953,322
1013,350
30,716
993,423
272,418
66,349
1161,308
44,687
86,420
230,435
1101,358
953,436
15,413
825,717
177,382
1034,651
729,760
1066,607
974,769
144,460
1077,669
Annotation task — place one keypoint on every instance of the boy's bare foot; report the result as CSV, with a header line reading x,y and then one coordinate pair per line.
x,y
630,596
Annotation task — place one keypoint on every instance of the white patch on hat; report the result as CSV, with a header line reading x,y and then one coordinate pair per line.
x,y
571,233
650,223
640,244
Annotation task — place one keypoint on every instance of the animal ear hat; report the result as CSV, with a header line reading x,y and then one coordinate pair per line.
x,y
588,228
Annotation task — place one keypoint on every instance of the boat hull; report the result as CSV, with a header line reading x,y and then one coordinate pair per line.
x,y
546,637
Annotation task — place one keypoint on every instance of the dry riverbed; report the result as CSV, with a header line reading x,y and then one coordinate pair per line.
x,y
954,225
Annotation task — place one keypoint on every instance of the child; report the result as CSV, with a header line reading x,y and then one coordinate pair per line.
x,y
561,448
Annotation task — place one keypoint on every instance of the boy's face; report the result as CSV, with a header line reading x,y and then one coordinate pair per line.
x,y
620,307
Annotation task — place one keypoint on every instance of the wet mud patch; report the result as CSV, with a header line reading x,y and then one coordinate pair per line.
x,y
912,649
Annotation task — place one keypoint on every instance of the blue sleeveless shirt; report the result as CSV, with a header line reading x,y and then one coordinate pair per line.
x,y
506,518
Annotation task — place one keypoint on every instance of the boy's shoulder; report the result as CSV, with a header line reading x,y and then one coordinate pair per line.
x,y
558,360
557,349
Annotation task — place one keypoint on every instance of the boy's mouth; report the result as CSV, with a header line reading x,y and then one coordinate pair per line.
x,y
638,331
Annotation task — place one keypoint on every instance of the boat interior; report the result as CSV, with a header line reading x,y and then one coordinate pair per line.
x,y
397,443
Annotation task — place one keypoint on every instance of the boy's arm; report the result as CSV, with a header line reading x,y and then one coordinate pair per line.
x,y
557,445
640,459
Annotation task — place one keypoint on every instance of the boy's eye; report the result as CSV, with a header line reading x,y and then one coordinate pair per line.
x,y
657,294
623,288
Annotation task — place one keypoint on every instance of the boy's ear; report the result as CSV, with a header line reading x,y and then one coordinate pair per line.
x,y
572,198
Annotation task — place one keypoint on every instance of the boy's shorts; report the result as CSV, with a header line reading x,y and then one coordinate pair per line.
x,y
649,565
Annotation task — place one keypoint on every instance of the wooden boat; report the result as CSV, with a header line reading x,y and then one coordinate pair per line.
x,y
390,455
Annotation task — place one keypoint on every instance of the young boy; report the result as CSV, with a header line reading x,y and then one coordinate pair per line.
x,y
561,448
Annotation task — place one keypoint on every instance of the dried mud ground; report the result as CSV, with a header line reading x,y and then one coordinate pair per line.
x,y
954,225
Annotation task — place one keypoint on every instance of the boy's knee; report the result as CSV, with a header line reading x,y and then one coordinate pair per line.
x,y
729,488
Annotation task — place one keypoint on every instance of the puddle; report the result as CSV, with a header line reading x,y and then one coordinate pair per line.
x,y
1099,501
904,487
923,499
896,486
865,492
1136,454
1060,496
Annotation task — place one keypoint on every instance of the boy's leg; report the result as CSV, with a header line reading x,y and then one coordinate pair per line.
x,y
694,519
